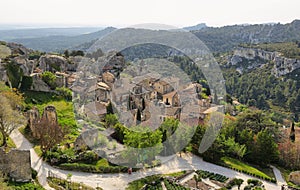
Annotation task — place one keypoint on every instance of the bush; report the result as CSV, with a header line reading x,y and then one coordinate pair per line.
x,y
87,157
65,93
92,168
33,173
50,79
255,182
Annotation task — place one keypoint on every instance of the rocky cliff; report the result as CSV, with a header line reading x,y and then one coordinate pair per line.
x,y
282,65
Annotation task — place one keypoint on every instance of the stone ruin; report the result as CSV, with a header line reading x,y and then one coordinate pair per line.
x,y
16,164
49,115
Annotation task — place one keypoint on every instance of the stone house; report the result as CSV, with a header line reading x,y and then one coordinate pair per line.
x,y
162,87
108,78
171,98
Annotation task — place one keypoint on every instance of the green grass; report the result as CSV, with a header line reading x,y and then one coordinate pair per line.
x,y
65,110
293,185
243,167
176,174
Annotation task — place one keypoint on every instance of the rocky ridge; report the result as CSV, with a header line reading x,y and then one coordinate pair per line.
x,y
282,65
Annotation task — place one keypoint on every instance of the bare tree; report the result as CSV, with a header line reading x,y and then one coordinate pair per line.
x,y
50,134
10,118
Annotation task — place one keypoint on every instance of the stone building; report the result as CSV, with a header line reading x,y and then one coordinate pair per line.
x,y
16,164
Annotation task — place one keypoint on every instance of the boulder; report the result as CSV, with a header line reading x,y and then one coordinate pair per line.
x,y
53,63
294,177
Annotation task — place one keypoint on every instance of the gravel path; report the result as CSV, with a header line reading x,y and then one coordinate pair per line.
x,y
120,181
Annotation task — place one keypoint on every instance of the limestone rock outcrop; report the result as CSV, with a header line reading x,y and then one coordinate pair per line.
x,y
53,63
295,177
282,65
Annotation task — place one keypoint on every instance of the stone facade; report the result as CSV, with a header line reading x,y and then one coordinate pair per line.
x,y
16,164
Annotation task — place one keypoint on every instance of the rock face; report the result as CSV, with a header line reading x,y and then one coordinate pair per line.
x,y
38,84
19,49
87,139
295,177
53,63
282,64
16,164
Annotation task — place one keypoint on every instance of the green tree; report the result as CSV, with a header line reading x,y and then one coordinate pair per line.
x,y
109,108
266,148
138,117
142,144
66,53
239,182
10,119
292,133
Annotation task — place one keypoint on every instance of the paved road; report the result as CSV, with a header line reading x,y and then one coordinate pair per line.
x,y
278,176
120,181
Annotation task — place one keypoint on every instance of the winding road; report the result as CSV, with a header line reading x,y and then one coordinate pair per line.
x,y
120,181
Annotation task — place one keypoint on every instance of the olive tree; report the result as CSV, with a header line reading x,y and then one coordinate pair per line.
x,y
10,118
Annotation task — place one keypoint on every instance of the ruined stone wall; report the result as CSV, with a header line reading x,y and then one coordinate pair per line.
x,y
49,116
16,164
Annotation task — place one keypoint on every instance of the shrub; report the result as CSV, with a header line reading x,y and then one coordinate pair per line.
x,y
255,182
50,79
33,173
65,93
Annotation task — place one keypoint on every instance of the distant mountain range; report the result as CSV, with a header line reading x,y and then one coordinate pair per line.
x,y
217,39
60,43
196,27
11,34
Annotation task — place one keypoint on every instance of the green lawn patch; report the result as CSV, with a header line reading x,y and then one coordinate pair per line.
x,y
176,174
245,168
64,108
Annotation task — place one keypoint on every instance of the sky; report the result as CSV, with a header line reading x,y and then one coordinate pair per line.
x,y
123,13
